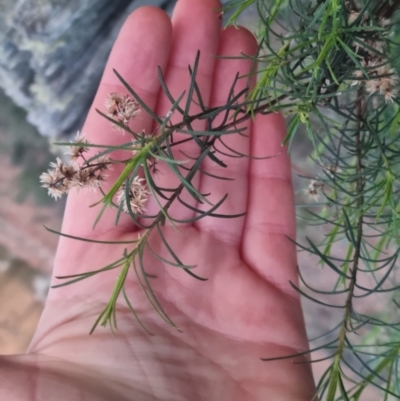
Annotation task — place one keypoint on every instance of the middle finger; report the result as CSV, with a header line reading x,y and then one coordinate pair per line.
x,y
196,27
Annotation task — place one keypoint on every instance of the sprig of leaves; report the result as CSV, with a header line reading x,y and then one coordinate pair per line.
x,y
150,151
333,65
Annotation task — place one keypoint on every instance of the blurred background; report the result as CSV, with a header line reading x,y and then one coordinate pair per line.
x,y
26,248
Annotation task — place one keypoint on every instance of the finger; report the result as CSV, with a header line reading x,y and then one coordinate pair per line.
x,y
271,218
142,45
234,42
196,27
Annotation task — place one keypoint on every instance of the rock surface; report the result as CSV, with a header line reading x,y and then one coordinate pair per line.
x,y
52,54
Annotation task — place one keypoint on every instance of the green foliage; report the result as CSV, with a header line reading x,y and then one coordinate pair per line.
x,y
333,70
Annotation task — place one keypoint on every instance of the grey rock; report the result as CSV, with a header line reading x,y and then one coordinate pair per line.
x,y
52,54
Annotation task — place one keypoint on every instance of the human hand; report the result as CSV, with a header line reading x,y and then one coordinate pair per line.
x,y
245,311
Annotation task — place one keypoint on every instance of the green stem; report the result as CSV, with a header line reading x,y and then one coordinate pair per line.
x,y
357,250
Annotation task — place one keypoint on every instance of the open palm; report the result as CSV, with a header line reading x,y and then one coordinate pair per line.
x,y
245,311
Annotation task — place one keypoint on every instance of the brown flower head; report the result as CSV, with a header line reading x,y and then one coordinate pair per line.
x,y
75,151
121,108
54,184
59,179
314,189
383,82
390,94
102,163
88,177
373,85
138,195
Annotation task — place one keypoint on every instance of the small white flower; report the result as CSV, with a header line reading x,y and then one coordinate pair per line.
x,y
121,108
88,177
58,180
53,181
314,189
138,195
79,147
390,94
373,85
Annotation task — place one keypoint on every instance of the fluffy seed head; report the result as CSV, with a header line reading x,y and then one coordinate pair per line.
x,y
121,108
390,94
75,151
373,85
88,177
138,195
314,189
59,179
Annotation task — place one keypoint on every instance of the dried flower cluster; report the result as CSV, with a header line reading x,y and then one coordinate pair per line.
x,y
138,196
63,176
80,147
80,173
382,79
377,75
121,108
314,190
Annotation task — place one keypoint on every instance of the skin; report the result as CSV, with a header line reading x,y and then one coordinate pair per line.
x,y
247,309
